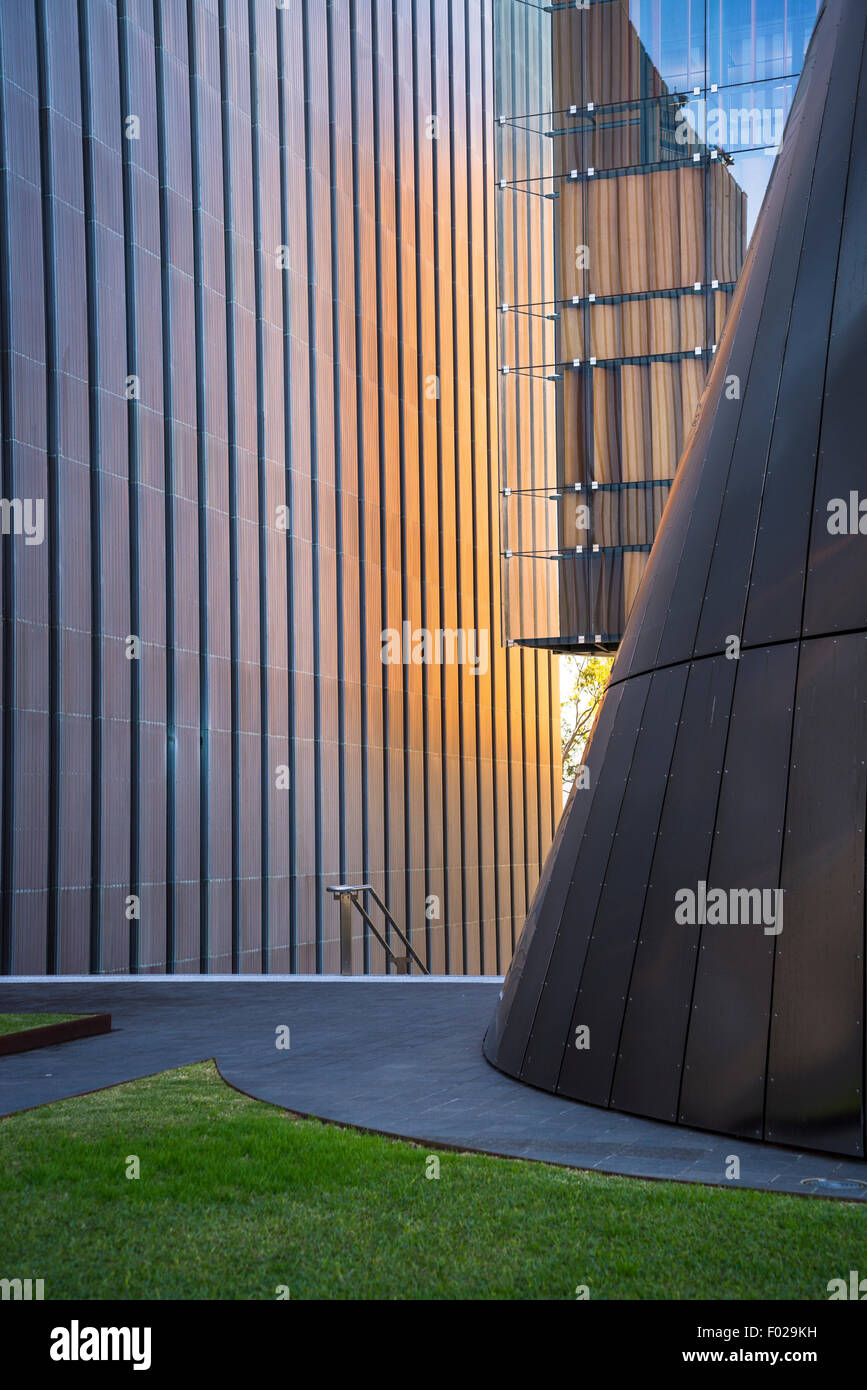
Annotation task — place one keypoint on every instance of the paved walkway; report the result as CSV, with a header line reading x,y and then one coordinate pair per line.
x,y
398,1055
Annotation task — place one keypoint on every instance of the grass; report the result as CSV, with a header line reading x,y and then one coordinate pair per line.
x,y
19,1023
237,1197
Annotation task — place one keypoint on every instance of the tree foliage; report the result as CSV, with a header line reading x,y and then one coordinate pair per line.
x,y
582,684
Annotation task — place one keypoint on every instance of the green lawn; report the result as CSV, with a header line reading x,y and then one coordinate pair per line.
x,y
19,1023
237,1197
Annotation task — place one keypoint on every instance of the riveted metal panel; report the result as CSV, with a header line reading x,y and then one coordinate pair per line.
x,y
601,998
551,1020
815,1084
726,1046
526,976
650,1054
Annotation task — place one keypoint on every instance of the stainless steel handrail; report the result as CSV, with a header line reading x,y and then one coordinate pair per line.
x,y
347,896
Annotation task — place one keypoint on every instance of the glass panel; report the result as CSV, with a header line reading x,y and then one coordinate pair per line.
x,y
750,40
646,230
627,514
531,604
523,147
751,171
749,116
672,34
529,522
525,230
522,57
625,134
528,431
636,142
526,334
650,326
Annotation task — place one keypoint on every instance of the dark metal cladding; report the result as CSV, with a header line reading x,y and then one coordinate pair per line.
x,y
706,963
724,1069
660,989
542,1059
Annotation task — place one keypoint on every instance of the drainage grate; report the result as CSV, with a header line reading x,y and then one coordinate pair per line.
x,y
851,1185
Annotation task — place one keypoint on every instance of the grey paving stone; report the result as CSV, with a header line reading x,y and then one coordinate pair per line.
x,y
402,1056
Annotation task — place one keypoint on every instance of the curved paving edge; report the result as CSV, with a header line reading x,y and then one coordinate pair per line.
x,y
400,1057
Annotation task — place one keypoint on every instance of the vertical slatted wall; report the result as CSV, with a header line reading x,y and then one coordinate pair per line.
x,y
246,333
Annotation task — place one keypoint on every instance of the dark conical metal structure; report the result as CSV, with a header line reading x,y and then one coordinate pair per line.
x,y
696,948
